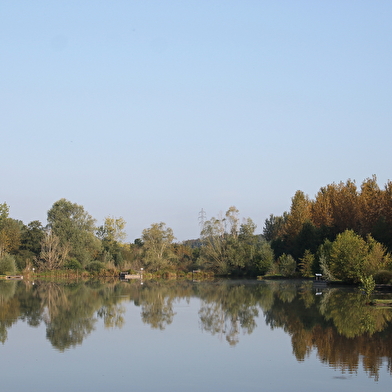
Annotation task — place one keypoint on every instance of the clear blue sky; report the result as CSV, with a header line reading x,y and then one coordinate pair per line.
x,y
153,110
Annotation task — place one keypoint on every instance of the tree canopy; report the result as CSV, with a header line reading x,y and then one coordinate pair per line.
x,y
75,228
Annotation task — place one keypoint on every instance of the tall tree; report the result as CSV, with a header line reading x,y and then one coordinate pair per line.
x,y
158,240
112,234
232,221
322,213
300,212
229,247
370,205
214,251
351,257
31,237
113,229
74,226
346,207
10,231
53,254
4,211
273,226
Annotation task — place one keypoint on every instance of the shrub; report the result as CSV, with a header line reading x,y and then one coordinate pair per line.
x,y
348,253
7,265
73,264
306,264
95,266
264,258
287,265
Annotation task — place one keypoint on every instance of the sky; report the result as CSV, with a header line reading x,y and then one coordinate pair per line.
x,y
155,110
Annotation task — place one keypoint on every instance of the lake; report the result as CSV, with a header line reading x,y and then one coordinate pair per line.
x,y
191,336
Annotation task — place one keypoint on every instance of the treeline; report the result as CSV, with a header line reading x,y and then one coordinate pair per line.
x,y
71,240
345,232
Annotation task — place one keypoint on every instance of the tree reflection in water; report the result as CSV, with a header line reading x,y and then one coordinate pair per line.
x,y
339,325
157,301
226,309
344,332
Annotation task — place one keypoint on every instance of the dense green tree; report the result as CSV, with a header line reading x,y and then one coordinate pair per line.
x,y
185,257
222,243
31,237
232,248
305,239
7,264
112,229
287,265
158,253
382,231
352,258
264,258
214,250
112,235
306,264
377,258
10,233
256,252
347,256
273,226
74,226
4,211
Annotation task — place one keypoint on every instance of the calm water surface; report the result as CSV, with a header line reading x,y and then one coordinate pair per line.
x,y
191,336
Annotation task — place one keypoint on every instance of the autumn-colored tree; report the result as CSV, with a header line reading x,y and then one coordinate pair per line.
x,y
382,230
387,201
300,212
345,207
370,205
322,213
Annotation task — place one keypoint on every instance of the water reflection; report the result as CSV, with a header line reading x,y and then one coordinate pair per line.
x,y
337,324
227,310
